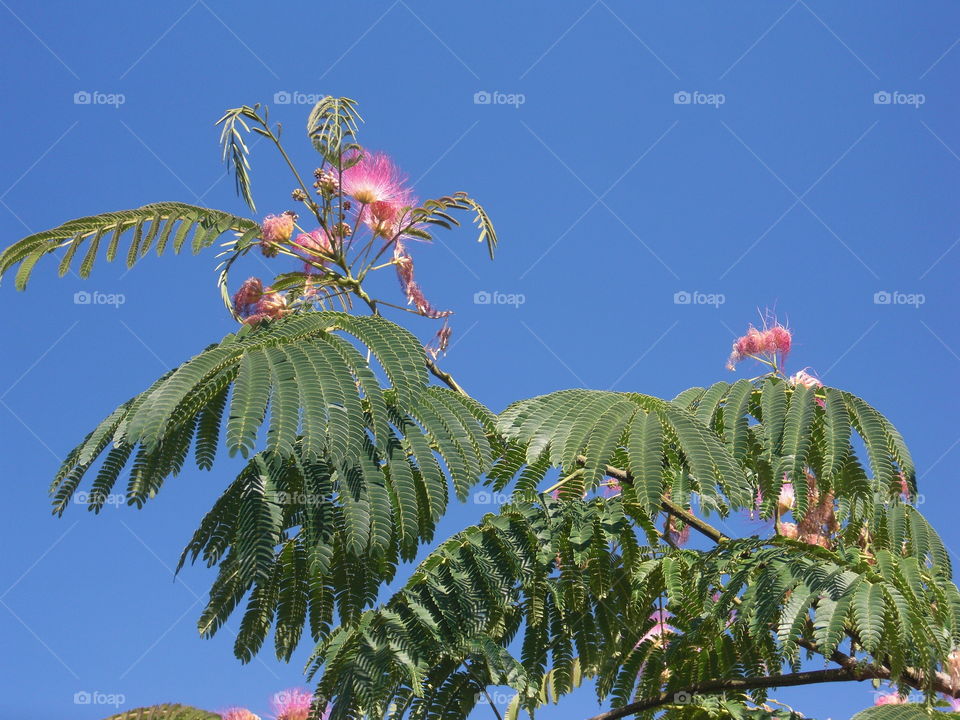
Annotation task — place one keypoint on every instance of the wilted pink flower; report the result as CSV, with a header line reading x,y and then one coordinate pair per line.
x,y
952,666
276,229
802,377
440,342
238,713
316,249
772,344
411,289
375,179
293,704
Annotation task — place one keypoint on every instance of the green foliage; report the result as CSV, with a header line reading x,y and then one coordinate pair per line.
x,y
165,712
159,226
354,475
663,447
912,711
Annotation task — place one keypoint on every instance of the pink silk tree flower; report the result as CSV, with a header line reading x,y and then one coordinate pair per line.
x,y
802,377
660,628
277,228
294,704
612,487
374,178
789,530
387,218
316,250
770,344
253,302
890,699
786,499
247,297
238,713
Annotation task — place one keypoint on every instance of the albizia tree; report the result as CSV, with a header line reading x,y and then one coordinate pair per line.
x,y
354,440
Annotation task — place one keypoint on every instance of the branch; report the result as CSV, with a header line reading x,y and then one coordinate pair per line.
x,y
445,377
855,673
669,506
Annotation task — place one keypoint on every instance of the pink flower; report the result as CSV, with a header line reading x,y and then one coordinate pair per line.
x,y
612,487
246,298
238,713
316,249
890,699
293,704
276,229
253,302
375,179
806,379
675,537
771,344
789,530
953,702
904,486
660,627
786,499
387,217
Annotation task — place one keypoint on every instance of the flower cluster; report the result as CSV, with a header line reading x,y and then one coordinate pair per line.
x,y
769,345
253,302
369,193
292,704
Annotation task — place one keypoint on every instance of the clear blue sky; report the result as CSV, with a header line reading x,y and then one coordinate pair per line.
x,y
799,192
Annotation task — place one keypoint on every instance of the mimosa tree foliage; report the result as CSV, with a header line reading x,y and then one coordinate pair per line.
x,y
353,450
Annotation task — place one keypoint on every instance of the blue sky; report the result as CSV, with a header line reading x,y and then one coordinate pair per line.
x,y
786,182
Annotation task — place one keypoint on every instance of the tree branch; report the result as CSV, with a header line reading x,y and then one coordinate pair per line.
x,y
855,673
